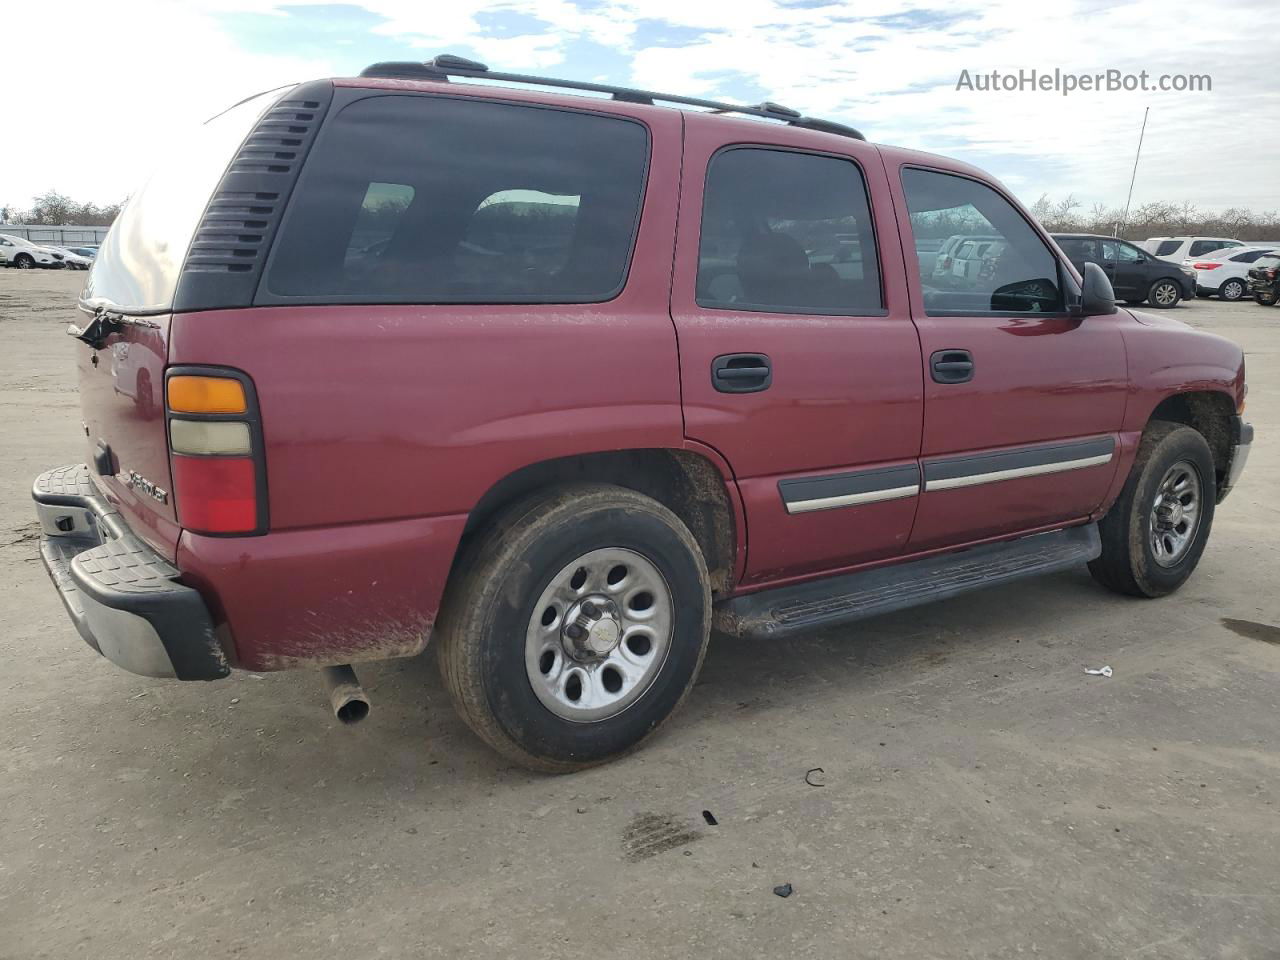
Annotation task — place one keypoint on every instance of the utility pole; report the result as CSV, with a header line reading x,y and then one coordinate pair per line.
x,y
1124,225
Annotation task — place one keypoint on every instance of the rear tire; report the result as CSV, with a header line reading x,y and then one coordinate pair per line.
x,y
1164,294
1149,545
1231,290
519,675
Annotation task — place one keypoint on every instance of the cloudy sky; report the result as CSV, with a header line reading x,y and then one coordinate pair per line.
x,y
92,89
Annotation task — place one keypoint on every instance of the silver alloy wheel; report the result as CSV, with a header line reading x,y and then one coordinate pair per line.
x,y
599,634
1175,513
1165,293
1232,290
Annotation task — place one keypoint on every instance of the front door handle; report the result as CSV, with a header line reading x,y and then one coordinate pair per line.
x,y
951,366
741,372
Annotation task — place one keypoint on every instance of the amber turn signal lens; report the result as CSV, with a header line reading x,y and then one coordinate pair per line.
x,y
206,395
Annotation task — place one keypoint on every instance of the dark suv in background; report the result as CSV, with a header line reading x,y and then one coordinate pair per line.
x,y
1135,275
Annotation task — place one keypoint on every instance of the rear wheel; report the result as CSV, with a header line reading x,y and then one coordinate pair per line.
x,y
1164,294
1154,534
577,624
1231,290
24,261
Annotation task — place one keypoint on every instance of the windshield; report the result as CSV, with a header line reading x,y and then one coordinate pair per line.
x,y
137,267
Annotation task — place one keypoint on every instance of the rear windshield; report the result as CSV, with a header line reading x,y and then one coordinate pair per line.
x,y
410,199
138,264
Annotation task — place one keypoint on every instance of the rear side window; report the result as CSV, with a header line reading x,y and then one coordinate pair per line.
x,y
786,232
436,200
1201,247
1168,247
1005,268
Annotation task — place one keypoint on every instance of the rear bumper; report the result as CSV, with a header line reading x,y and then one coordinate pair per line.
x,y
122,596
1242,440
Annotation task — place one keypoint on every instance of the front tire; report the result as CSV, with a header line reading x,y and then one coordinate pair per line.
x,y
1265,299
1164,294
23,261
575,625
1154,534
1231,290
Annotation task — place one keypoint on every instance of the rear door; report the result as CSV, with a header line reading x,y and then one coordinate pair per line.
x,y
1022,401
798,360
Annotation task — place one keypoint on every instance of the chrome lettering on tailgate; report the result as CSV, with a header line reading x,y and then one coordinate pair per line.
x,y
136,481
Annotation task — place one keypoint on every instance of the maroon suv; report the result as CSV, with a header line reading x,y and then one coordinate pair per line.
x,y
556,381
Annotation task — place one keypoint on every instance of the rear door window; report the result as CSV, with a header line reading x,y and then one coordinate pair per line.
x,y
787,232
1020,274
411,199
1201,247
138,264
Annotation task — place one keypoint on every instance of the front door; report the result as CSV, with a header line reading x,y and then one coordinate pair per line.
x,y
798,359
1023,402
1127,266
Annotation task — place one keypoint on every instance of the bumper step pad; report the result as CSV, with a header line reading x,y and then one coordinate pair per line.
x,y
123,597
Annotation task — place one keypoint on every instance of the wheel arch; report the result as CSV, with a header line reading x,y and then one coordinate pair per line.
x,y
689,483
1209,413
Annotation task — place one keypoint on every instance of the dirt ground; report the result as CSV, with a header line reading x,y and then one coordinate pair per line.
x,y
980,796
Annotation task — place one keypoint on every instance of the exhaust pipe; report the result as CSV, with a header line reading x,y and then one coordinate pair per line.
x,y
350,702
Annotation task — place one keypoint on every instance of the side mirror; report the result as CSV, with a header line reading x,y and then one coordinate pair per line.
x,y
1096,296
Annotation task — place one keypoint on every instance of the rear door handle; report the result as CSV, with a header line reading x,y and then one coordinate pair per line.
x,y
741,373
951,366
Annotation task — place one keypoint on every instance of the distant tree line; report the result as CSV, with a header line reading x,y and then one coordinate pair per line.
x,y
1155,220
54,209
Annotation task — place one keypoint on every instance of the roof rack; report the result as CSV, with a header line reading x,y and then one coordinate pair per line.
x,y
446,65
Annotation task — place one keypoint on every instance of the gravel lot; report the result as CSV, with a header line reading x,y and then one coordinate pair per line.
x,y
982,797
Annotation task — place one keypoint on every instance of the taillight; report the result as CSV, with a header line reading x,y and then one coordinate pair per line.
x,y
1207,266
215,446
1271,272
946,263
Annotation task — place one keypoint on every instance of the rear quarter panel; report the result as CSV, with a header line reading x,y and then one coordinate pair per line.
x,y
385,424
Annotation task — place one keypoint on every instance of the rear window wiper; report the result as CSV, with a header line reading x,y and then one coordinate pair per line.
x,y
105,322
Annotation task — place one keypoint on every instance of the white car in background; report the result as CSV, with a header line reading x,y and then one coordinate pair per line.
x,y
25,255
1178,249
1226,272
72,260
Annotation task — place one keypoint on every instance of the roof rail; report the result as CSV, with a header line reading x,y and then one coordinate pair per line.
x,y
446,65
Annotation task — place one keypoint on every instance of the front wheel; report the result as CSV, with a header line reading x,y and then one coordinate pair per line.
x,y
1265,299
1154,534
1231,290
576,624
1164,294
23,261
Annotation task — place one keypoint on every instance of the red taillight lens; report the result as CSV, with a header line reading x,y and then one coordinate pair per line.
x,y
1206,266
216,494
216,452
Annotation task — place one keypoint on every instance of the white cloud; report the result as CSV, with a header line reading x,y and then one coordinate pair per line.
x,y
148,65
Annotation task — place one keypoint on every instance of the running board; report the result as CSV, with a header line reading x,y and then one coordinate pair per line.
x,y
854,596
